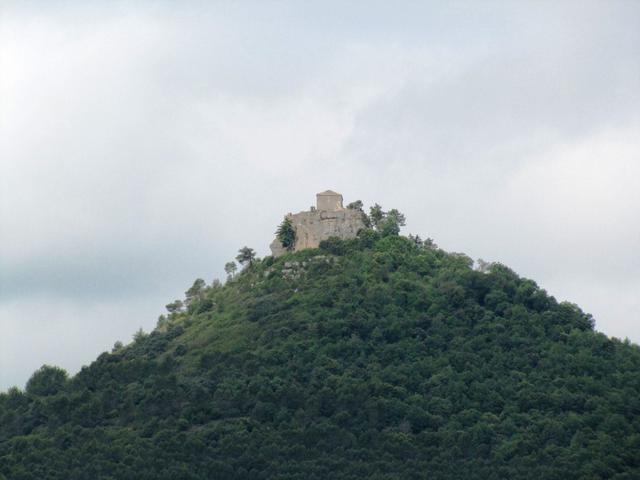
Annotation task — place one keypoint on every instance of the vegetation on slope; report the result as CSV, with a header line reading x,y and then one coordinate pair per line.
x,y
381,357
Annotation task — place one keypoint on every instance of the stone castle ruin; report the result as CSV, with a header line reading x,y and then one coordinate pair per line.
x,y
327,219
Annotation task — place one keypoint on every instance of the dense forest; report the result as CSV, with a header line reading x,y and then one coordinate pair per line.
x,y
381,357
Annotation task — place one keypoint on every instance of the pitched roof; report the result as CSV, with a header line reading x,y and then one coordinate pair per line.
x,y
329,192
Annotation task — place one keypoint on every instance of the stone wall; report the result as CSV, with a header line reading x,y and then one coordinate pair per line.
x,y
329,200
316,225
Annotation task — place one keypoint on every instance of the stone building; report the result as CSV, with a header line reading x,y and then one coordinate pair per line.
x,y
327,219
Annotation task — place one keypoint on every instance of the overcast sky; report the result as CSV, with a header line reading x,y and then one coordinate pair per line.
x,y
141,144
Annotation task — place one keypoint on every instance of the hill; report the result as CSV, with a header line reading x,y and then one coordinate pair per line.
x,y
380,357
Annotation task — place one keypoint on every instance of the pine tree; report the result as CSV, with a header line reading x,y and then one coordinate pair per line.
x,y
286,234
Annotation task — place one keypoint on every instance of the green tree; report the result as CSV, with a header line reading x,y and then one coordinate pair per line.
x,y
195,291
47,380
397,217
245,256
286,234
230,269
417,241
429,243
391,223
175,306
139,335
376,215
162,321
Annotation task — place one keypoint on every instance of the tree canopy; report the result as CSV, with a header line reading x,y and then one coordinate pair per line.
x,y
246,256
380,357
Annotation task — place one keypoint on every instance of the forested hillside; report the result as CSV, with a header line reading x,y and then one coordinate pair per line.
x,y
382,357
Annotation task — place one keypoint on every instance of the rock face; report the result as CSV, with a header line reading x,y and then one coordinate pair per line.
x,y
328,219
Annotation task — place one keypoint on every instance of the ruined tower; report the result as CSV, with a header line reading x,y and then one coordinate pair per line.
x,y
329,201
329,218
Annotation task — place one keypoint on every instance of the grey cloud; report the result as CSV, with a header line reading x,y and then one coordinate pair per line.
x,y
141,145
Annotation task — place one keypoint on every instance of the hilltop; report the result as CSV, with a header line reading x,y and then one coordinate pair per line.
x,y
380,356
